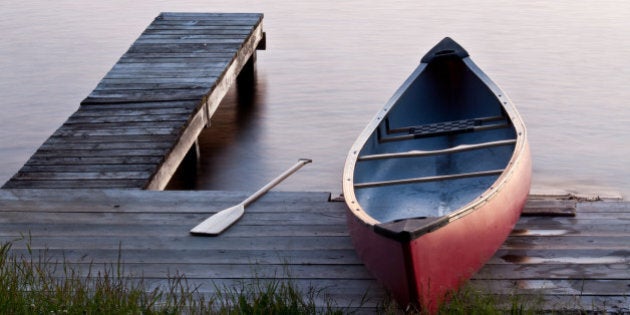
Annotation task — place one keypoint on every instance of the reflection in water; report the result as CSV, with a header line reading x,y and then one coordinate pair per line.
x,y
232,129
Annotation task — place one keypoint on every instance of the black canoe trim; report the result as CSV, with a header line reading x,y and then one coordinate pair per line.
x,y
405,230
446,48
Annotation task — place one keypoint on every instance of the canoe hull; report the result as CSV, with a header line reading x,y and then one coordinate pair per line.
x,y
422,258
424,270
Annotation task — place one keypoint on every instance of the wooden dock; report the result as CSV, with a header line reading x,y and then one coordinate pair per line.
x,y
570,262
145,115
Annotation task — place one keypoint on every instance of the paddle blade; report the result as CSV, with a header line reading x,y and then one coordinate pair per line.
x,y
219,221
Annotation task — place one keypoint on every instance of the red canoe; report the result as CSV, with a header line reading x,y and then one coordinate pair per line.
x,y
437,180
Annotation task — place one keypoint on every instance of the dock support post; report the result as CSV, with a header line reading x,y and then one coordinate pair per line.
x,y
246,77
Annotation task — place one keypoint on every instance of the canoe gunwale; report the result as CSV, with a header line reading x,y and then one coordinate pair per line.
x,y
414,229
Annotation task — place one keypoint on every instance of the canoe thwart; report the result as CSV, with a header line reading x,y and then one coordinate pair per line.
x,y
421,153
407,229
445,128
427,179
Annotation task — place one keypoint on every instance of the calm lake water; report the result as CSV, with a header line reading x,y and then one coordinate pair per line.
x,y
328,67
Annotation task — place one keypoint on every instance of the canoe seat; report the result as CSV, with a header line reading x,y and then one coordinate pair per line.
x,y
445,128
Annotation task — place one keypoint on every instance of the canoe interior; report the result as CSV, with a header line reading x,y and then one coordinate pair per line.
x,y
444,141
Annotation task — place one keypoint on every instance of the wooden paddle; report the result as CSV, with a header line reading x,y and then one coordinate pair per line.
x,y
218,222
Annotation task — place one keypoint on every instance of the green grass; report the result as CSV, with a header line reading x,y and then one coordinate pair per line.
x,y
471,301
39,285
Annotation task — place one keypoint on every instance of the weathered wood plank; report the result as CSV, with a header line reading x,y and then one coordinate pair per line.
x,y
237,271
166,80
583,218
208,15
549,207
73,131
105,143
567,304
207,21
103,175
183,48
171,202
160,141
94,124
177,208
129,96
605,206
198,39
137,59
189,26
203,256
576,242
556,271
567,287
90,168
37,160
74,184
189,105
218,31
181,65
186,55
259,219
192,243
87,153
147,86
71,146
574,230
97,111
190,74
174,228
563,256
293,200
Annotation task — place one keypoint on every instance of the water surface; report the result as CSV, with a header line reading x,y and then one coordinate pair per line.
x,y
328,67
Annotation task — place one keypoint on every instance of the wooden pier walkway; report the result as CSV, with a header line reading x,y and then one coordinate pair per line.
x,y
144,116
570,262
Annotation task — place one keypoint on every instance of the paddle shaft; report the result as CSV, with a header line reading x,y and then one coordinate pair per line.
x,y
218,222
275,181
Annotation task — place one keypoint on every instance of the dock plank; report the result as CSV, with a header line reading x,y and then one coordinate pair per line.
x,y
74,184
84,161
